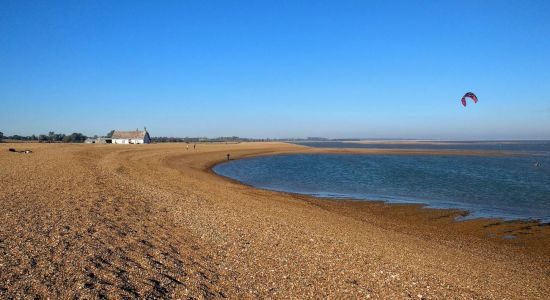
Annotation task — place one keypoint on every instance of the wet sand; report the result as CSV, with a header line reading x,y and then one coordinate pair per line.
x,y
139,221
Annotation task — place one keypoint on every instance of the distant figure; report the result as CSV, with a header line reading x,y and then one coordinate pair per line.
x,y
194,146
187,146
228,155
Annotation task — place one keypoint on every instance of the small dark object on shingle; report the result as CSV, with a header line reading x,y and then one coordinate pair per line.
x,y
21,151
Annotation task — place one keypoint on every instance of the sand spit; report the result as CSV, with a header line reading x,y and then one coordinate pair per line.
x,y
428,142
151,221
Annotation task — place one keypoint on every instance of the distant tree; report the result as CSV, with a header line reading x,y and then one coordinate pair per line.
x,y
74,137
110,134
58,137
77,137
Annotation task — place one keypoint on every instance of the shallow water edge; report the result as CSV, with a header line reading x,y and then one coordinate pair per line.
x,y
463,215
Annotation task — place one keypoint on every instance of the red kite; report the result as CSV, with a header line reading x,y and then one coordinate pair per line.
x,y
469,95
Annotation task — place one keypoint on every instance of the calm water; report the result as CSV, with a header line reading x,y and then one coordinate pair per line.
x,y
532,147
505,187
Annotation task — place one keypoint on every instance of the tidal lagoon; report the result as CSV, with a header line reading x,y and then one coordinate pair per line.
x,y
507,187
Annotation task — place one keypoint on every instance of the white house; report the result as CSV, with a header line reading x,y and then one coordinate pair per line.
x,y
131,137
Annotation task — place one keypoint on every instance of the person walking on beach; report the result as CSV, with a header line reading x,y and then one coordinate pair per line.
x,y
194,146
187,146
228,156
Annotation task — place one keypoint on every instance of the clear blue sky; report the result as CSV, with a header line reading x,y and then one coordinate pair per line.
x,y
394,69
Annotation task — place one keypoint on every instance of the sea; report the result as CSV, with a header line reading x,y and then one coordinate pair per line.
x,y
510,187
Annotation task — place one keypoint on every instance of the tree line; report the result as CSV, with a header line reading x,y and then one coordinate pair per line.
x,y
76,137
51,137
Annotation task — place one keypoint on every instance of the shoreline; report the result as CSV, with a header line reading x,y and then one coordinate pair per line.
x,y
506,230
461,217
119,219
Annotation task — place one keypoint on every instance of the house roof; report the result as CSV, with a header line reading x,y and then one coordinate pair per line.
x,y
129,134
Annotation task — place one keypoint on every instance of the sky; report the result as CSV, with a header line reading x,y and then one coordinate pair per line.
x,y
277,69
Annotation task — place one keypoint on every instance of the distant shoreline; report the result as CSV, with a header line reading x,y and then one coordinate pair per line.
x,y
443,142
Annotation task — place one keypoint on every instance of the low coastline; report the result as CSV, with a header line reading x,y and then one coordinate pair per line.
x,y
531,236
418,213
226,170
119,219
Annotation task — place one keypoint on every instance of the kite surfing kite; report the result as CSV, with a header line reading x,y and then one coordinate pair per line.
x,y
469,95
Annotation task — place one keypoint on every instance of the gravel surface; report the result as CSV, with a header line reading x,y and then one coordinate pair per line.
x,y
152,221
